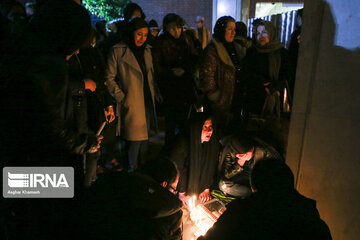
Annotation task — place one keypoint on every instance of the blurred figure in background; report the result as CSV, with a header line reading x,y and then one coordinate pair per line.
x,y
294,45
154,32
241,35
175,58
30,8
201,32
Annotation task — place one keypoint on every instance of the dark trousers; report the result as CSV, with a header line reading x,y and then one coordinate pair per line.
x,y
175,119
90,168
137,153
138,149
234,189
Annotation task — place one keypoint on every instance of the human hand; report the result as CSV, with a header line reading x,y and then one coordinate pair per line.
x,y
277,93
94,149
178,71
109,114
267,90
205,196
184,198
90,84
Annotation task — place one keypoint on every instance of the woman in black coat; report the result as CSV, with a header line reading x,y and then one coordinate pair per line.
x,y
196,153
266,71
175,57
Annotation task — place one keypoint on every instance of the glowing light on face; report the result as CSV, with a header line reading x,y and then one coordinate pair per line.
x,y
207,131
140,36
230,31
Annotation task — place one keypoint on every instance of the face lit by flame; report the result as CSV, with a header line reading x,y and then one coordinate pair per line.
x,y
207,131
140,36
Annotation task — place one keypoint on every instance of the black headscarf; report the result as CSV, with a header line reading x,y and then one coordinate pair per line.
x,y
220,28
131,27
63,25
204,157
219,34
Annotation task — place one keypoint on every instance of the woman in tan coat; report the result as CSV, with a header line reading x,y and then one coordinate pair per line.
x,y
130,80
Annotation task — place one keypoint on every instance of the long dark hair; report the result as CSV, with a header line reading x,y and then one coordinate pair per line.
x,y
131,27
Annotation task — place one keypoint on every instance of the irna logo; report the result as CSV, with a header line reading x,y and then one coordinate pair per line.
x,y
16,180
38,182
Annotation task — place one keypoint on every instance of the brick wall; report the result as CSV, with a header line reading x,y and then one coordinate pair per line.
x,y
187,9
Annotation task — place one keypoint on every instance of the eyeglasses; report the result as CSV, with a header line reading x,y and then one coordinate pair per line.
x,y
173,190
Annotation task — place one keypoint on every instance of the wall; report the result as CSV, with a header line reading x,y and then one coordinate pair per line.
x,y
323,145
187,9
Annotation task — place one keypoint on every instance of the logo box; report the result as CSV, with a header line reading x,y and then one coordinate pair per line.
x,y
38,182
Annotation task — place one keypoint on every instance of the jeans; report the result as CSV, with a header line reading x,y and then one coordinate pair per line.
x,y
234,189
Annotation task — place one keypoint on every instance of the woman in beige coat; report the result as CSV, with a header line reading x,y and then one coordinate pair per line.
x,y
130,80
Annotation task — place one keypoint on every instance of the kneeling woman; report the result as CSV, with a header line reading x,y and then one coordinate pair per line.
x,y
130,62
196,153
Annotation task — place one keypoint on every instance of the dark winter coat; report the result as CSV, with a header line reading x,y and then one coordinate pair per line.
x,y
93,67
217,75
230,170
131,206
76,102
276,215
256,73
171,53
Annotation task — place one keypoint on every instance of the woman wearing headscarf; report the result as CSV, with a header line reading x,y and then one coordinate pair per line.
x,y
266,69
220,70
175,58
131,62
196,153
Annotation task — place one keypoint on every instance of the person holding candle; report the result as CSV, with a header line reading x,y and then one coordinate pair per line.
x,y
196,152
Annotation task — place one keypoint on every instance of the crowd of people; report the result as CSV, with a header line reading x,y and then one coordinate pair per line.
x,y
62,81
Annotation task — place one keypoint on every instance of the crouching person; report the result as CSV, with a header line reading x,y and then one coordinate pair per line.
x,y
238,157
274,211
139,205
